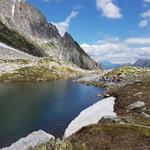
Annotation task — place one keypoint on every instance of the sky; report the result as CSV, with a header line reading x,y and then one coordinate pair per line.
x,y
108,30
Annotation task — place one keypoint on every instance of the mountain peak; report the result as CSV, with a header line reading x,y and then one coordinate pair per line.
x,y
142,63
24,27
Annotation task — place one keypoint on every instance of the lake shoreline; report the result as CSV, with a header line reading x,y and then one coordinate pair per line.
x,y
30,94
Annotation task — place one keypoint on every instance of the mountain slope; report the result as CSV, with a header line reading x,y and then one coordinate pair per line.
x,y
19,66
25,28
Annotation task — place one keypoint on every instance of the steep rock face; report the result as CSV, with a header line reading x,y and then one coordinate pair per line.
x,y
74,53
142,63
25,28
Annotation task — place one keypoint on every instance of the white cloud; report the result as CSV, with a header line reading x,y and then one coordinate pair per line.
x,y
146,14
145,19
63,26
143,23
147,1
138,41
109,9
117,51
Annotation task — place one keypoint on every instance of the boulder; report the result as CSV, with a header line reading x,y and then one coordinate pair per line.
x,y
32,140
138,104
144,115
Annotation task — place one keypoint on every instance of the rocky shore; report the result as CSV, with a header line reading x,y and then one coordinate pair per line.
x,y
131,128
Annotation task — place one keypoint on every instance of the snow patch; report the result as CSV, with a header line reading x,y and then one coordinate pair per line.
x,y
5,46
92,115
14,6
32,140
7,52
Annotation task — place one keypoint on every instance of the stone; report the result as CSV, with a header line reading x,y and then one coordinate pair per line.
x,y
137,94
138,104
144,115
99,95
34,139
105,94
128,120
109,119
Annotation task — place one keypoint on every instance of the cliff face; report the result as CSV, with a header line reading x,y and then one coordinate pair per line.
x,y
25,28
74,53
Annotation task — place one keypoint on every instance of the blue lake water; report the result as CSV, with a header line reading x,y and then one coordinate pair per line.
x,y
50,106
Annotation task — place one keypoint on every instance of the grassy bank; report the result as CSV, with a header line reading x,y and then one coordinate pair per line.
x,y
39,69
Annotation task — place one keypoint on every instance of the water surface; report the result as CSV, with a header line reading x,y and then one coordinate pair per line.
x,y
50,106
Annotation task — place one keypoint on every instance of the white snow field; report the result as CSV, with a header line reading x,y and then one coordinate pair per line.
x,y
92,115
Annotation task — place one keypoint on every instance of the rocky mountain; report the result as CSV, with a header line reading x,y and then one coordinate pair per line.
x,y
23,27
142,63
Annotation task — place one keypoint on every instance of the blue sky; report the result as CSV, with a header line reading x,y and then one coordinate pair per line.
x,y
103,27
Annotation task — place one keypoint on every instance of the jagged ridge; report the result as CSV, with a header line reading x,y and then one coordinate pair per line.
x,y
142,63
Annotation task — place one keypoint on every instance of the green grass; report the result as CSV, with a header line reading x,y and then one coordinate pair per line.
x,y
112,136
34,73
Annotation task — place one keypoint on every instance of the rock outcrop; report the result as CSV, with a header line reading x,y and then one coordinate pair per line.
x,y
25,28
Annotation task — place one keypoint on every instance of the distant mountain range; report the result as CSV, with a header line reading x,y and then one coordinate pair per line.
x,y
108,65
142,63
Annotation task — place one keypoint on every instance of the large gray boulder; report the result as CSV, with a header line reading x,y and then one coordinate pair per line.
x,y
138,104
25,28
145,115
32,140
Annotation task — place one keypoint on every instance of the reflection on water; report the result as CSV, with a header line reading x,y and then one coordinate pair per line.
x,y
50,106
